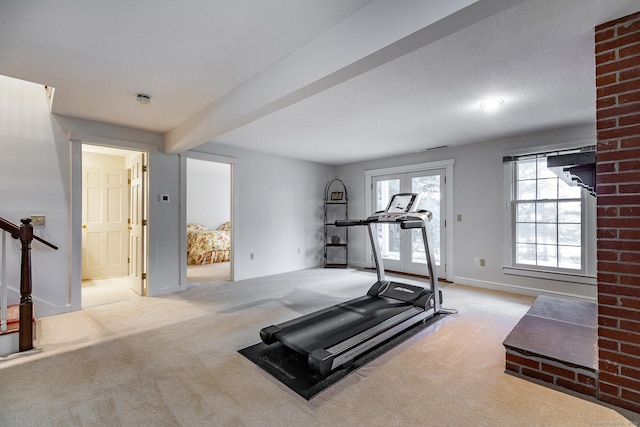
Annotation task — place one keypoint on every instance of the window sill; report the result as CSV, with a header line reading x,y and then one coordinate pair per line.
x,y
560,277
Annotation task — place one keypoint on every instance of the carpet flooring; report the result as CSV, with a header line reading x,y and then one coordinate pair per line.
x,y
292,369
174,361
209,273
107,291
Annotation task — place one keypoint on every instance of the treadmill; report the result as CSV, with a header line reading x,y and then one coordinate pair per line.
x,y
335,336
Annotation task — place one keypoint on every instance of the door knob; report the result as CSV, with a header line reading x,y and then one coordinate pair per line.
x,y
84,225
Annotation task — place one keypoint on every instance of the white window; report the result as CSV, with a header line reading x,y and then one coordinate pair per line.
x,y
551,228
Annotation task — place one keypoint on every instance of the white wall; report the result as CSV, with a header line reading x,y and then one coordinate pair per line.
x,y
41,174
34,166
479,196
277,211
278,201
164,225
208,193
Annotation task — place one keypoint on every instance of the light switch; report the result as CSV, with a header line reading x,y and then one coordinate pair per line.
x,y
37,220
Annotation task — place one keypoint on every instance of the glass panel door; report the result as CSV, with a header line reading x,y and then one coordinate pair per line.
x,y
403,250
388,234
431,185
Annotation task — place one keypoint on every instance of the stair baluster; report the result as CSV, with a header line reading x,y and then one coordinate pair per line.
x,y
3,284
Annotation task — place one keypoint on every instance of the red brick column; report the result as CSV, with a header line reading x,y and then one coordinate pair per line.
x,y
618,187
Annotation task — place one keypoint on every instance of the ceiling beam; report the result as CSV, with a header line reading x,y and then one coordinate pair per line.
x,y
376,34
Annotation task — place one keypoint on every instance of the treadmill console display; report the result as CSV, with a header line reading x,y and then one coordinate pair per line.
x,y
403,203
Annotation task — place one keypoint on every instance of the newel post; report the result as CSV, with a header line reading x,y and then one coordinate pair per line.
x,y
26,303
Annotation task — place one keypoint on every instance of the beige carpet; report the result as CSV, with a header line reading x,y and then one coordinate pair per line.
x,y
218,272
173,361
107,291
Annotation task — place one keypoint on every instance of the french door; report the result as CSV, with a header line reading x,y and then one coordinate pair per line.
x,y
403,250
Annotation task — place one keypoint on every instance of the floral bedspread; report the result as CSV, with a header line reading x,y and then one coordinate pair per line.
x,y
205,246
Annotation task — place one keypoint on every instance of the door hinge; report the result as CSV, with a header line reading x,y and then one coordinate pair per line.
x,y
144,168
144,276
144,222
445,223
129,181
128,260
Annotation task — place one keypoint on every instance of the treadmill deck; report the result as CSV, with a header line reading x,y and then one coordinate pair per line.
x,y
340,323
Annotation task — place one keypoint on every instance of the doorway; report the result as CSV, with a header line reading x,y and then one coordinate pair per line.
x,y
208,218
403,250
113,224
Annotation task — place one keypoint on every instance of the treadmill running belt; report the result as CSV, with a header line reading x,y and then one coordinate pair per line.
x,y
341,323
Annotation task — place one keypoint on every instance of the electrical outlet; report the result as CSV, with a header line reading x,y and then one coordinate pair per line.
x,y
37,220
251,255
476,261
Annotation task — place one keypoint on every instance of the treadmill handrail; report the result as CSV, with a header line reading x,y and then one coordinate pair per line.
x,y
351,222
411,224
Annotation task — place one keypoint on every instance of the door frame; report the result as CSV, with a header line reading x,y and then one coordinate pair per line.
x,y
447,165
76,139
233,163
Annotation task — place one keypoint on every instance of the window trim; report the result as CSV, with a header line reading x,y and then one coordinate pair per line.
x,y
587,274
551,275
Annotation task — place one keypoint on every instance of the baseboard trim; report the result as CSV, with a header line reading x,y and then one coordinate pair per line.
x,y
516,289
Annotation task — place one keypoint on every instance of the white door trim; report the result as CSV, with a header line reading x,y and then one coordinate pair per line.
x,y
75,227
447,165
233,162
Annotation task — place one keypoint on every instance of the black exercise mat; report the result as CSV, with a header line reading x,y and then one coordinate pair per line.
x,y
291,368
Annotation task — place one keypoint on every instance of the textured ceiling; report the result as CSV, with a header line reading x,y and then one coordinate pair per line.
x,y
185,55
537,56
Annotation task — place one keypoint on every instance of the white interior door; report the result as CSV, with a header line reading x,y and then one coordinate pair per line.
x,y
403,250
138,222
104,219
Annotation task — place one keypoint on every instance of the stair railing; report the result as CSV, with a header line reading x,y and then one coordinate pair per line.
x,y
26,236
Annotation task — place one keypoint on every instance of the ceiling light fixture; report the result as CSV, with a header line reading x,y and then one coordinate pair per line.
x,y
143,99
491,104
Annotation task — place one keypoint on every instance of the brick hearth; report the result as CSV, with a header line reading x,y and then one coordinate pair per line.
x,y
556,342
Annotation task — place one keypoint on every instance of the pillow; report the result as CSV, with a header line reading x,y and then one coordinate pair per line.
x,y
196,227
225,226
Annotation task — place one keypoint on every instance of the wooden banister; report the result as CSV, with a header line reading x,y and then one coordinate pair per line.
x,y
9,227
15,231
25,234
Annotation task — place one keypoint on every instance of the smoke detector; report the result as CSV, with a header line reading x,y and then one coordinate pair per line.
x,y
143,99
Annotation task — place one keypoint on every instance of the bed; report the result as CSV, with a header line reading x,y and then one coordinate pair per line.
x,y
206,246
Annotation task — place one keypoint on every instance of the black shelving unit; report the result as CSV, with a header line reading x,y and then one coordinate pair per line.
x,y
336,239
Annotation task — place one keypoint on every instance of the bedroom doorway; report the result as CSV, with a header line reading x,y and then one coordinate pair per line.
x,y
208,218
114,200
